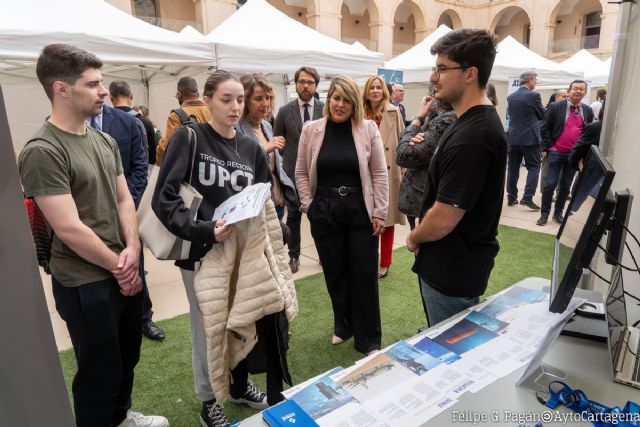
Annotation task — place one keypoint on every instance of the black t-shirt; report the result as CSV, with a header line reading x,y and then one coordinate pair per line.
x,y
222,167
337,162
467,171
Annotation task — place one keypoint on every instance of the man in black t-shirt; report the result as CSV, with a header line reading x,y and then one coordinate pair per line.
x,y
456,238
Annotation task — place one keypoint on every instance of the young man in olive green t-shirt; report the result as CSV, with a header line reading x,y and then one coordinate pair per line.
x,y
75,176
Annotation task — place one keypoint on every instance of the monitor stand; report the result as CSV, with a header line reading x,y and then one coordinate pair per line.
x,y
589,321
539,378
538,375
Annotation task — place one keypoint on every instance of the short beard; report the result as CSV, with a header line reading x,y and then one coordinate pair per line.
x,y
302,94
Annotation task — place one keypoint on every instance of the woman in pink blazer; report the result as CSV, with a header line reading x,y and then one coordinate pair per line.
x,y
341,176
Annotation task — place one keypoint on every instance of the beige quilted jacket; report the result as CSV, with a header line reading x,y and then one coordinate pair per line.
x,y
240,281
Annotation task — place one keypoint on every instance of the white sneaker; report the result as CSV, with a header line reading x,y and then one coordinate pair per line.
x,y
136,419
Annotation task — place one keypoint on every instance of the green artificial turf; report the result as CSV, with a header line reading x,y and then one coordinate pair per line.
x,y
164,383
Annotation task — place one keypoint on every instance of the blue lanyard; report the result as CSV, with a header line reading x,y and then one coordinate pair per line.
x,y
594,412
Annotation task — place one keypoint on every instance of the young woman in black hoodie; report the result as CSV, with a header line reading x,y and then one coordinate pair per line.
x,y
225,163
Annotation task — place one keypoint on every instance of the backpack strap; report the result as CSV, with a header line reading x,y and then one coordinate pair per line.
x,y
182,115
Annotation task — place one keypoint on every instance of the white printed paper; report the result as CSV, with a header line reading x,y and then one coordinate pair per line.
x,y
244,205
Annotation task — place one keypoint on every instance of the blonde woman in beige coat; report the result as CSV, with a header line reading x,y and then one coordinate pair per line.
x,y
389,120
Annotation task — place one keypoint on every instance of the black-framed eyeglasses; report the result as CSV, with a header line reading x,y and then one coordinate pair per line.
x,y
439,69
306,82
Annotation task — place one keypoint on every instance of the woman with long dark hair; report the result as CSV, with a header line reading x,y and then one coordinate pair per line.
x,y
258,95
225,163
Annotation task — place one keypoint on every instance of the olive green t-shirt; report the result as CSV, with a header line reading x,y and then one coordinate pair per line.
x,y
85,166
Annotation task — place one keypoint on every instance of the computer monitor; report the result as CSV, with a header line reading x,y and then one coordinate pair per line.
x,y
618,227
582,228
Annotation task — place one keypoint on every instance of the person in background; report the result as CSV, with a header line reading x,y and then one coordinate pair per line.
x,y
156,132
192,109
121,97
127,133
75,176
341,176
596,105
590,136
289,121
417,145
238,162
456,239
258,99
491,94
562,126
397,96
525,112
389,121
258,95
557,96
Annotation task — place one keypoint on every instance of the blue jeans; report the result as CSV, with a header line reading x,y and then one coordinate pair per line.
x,y
531,155
560,174
440,306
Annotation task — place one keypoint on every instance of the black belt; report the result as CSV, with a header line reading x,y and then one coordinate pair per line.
x,y
343,190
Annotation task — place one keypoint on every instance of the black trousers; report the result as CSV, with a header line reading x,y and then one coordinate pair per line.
x,y
106,331
147,305
270,355
342,232
412,225
294,216
239,379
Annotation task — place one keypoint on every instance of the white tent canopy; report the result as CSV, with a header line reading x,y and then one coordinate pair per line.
x,y
417,61
150,58
599,75
360,46
189,31
511,60
582,60
260,38
113,35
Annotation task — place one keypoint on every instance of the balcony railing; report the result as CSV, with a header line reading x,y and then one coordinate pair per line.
x,y
170,24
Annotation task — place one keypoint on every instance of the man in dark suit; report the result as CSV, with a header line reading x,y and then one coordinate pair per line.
x,y
125,129
525,110
397,96
288,124
121,97
562,126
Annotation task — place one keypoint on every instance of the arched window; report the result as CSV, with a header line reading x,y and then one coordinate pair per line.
x,y
146,8
445,19
591,39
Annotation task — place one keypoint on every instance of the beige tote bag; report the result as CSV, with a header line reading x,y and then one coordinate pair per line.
x,y
162,243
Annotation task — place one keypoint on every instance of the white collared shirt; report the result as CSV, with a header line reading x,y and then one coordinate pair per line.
x,y
98,121
301,108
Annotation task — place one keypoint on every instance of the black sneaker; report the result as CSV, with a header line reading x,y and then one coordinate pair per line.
x,y
530,204
211,415
512,202
557,218
252,397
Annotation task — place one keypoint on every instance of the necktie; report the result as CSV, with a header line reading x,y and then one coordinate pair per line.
x,y
307,117
94,123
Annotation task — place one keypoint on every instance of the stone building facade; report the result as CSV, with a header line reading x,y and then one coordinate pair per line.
x,y
553,28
